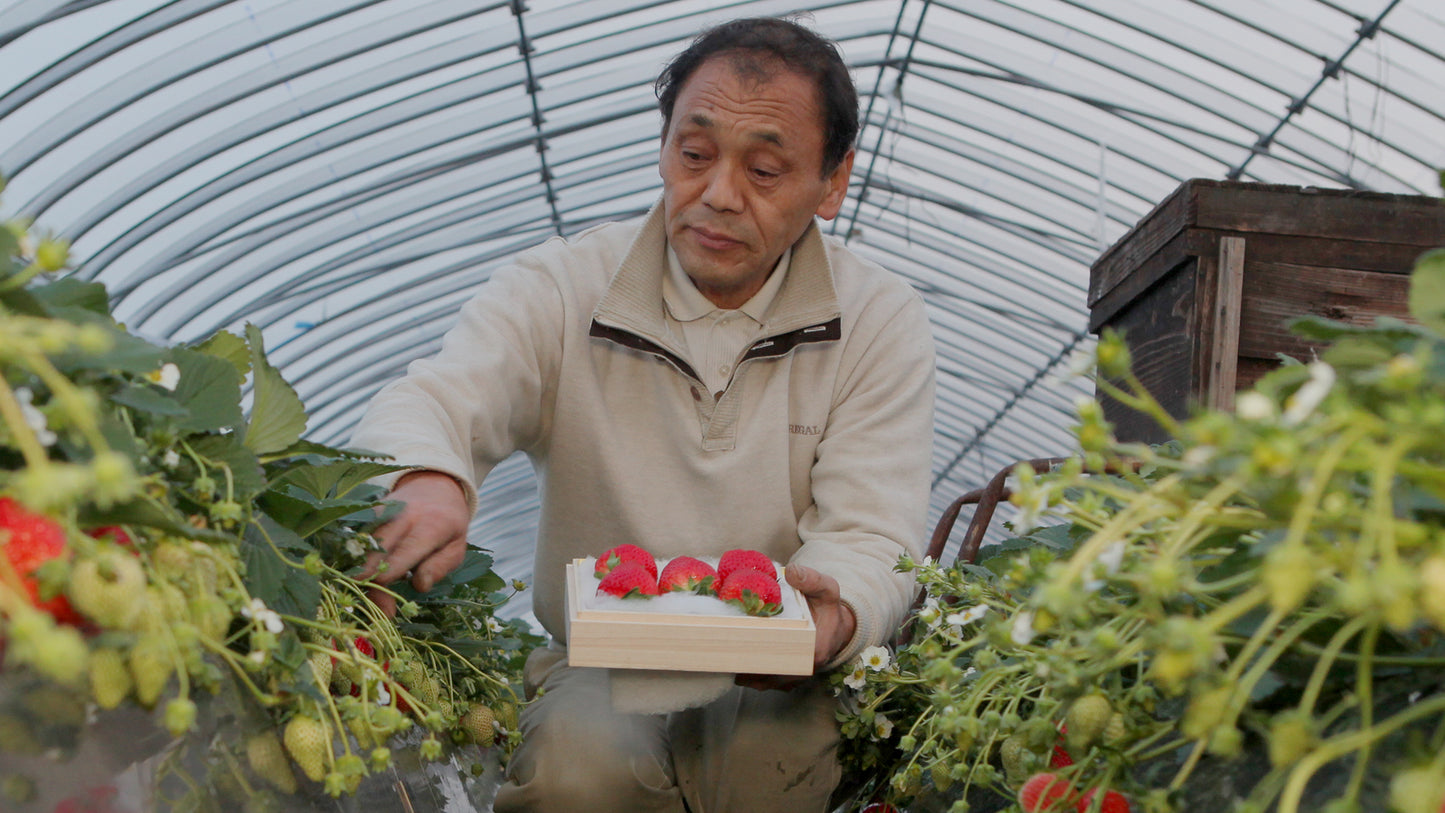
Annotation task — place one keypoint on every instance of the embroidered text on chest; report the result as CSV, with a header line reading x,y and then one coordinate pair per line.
x,y
804,429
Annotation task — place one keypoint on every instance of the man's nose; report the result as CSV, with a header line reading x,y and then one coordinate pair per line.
x,y
723,192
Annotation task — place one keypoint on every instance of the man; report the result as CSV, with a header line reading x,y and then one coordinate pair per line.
x,y
717,375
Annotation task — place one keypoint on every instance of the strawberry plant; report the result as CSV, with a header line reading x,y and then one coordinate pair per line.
x,y
167,549
1250,617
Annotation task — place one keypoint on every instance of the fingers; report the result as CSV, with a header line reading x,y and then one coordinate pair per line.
x,y
427,540
811,583
763,683
436,566
383,601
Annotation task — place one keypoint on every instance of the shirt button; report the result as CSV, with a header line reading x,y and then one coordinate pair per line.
x,y
723,369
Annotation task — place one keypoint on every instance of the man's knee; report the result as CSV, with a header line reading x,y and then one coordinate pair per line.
x,y
576,754
565,779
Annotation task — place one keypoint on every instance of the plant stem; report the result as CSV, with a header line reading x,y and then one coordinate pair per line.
x,y
1343,744
1327,661
1364,689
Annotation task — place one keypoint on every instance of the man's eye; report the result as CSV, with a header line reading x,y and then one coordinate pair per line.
x,y
764,174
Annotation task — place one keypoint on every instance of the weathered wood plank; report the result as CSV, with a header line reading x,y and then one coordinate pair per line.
x,y
1157,329
1276,294
1365,216
1132,251
1224,346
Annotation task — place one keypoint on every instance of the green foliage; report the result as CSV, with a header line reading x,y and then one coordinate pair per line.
x,y
1260,603
253,541
277,415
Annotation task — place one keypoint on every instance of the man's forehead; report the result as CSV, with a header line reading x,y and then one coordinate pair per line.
x,y
703,121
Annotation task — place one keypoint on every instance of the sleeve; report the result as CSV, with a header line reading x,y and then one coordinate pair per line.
x,y
486,393
870,477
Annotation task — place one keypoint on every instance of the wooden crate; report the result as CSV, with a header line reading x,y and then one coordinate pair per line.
x,y
1204,287
638,639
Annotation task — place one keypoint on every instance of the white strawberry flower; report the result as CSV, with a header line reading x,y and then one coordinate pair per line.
x,y
930,613
876,658
882,727
858,678
171,459
1304,400
493,625
1023,628
167,377
256,611
968,616
34,418
1253,406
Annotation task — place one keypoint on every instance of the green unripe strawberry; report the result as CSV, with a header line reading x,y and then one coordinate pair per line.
x,y
1206,711
477,722
264,754
173,559
150,668
1086,720
1417,790
52,253
308,743
211,616
321,667
1432,591
1395,586
1117,731
180,716
1291,736
110,681
368,733
109,588
428,690
1018,761
1288,574
380,759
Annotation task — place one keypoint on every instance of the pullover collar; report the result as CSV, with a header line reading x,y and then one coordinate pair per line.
x,y
633,302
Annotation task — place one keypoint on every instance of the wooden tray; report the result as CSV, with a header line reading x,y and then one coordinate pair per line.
x,y
627,639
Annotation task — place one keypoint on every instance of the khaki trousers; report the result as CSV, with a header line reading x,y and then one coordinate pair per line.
x,y
747,752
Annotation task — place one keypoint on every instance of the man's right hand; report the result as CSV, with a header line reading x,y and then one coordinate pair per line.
x,y
427,539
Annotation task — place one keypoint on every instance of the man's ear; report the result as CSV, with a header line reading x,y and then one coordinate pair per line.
x,y
837,187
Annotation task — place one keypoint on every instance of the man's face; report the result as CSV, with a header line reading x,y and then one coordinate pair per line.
x,y
742,175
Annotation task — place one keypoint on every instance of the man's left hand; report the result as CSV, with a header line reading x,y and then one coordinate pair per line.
x,y
833,619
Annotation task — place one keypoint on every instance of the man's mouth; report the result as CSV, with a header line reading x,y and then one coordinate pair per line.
x,y
713,240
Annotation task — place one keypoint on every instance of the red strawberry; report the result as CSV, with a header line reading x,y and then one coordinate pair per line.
x,y
880,807
29,541
1114,801
687,575
744,559
616,555
1045,792
628,580
757,593
364,647
115,533
1061,758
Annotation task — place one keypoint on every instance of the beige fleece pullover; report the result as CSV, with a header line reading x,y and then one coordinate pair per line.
x,y
816,453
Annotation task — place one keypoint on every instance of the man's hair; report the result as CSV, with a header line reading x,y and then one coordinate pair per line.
x,y
757,45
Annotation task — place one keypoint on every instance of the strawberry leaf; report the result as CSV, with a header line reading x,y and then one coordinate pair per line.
x,y
277,415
